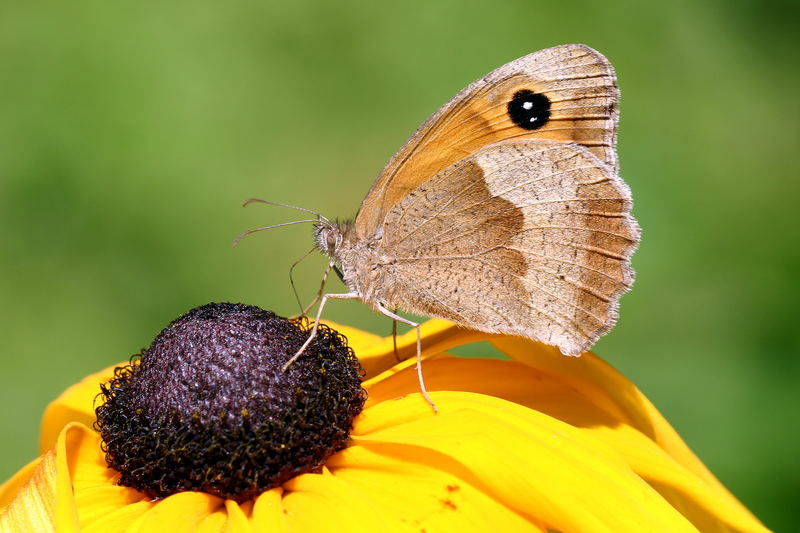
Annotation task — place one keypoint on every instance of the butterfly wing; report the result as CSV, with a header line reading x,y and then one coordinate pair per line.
x,y
528,238
566,93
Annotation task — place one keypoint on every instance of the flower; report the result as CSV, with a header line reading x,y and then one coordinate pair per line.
x,y
541,442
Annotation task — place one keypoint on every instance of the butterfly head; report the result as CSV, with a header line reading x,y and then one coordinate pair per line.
x,y
329,236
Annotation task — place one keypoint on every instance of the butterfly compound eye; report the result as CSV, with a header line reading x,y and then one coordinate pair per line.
x,y
529,110
327,238
332,241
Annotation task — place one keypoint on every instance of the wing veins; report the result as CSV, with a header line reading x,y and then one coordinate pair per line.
x,y
545,291
463,191
579,286
565,67
577,228
565,262
471,206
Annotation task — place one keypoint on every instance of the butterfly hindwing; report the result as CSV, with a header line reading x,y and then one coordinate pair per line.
x,y
529,238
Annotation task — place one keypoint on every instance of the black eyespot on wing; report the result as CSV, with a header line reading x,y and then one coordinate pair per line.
x,y
529,110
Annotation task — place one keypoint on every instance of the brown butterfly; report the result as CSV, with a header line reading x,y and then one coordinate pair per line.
x,y
503,212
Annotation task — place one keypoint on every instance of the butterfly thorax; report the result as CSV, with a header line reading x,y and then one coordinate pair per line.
x,y
361,265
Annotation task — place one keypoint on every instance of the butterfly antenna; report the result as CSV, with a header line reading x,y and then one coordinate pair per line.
x,y
291,279
260,201
248,232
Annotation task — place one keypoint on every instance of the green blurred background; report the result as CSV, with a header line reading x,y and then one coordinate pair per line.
x,y
130,132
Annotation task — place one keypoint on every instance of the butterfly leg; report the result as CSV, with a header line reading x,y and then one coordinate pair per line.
x,y
415,325
394,338
291,280
321,289
345,296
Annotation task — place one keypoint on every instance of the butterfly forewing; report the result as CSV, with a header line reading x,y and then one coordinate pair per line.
x,y
529,238
565,94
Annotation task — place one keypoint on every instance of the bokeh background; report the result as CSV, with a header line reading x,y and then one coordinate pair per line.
x,y
130,132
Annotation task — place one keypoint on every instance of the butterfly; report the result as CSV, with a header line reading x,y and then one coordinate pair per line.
x,y
503,212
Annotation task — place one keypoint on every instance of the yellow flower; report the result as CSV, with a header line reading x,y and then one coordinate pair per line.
x,y
539,443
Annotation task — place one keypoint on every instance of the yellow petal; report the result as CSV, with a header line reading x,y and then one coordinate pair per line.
x,y
123,518
86,461
323,503
377,354
700,502
603,385
237,521
552,394
90,486
81,494
34,503
355,336
46,502
100,503
536,465
411,490
9,489
76,404
268,515
212,523
96,503
66,509
510,380
180,513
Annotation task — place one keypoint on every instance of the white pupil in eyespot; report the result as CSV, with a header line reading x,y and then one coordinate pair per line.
x,y
527,105
533,119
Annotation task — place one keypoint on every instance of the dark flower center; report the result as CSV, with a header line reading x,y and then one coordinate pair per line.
x,y
208,408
